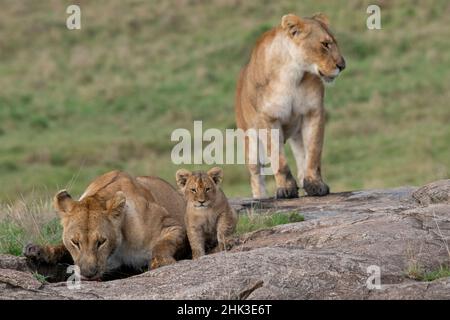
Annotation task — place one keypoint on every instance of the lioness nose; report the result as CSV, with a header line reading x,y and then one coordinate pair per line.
x,y
90,272
341,64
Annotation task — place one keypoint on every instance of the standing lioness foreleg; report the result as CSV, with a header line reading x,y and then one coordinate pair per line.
x,y
313,133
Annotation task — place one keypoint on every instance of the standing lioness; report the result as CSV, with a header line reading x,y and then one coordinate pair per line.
x,y
118,221
282,88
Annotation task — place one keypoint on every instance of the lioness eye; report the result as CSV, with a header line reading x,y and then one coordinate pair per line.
x,y
193,190
100,242
75,243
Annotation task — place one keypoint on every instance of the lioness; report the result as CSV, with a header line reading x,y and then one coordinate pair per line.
x,y
118,221
209,218
282,87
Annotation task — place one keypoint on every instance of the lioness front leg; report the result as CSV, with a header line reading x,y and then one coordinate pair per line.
x,y
285,181
313,134
165,248
196,241
47,254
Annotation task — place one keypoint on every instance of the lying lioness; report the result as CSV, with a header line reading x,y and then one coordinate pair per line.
x,y
118,221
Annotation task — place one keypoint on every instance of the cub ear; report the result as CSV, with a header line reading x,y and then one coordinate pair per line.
x,y
294,25
116,204
216,174
63,202
322,18
182,176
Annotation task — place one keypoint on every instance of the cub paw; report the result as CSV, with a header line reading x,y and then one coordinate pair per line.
x,y
158,262
287,193
315,187
33,251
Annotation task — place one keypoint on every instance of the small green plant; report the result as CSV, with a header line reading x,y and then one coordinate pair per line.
x,y
442,272
39,277
416,272
254,221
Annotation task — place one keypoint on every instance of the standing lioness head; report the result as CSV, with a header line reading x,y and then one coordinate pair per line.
x,y
314,45
199,187
91,230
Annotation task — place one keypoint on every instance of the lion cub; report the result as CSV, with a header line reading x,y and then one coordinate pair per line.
x,y
209,217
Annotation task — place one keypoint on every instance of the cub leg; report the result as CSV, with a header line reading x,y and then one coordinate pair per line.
x,y
313,134
226,225
47,254
196,241
286,184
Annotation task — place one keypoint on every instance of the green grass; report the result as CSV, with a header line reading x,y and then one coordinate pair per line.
x,y
11,238
14,237
75,104
256,221
417,273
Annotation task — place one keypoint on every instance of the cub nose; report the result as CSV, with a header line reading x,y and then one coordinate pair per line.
x,y
341,64
201,201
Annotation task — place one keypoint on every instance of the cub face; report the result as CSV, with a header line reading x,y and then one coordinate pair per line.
x,y
91,230
199,187
314,43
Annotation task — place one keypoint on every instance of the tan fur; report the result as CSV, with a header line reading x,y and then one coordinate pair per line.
x,y
282,88
119,220
209,218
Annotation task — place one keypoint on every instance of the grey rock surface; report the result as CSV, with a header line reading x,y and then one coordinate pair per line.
x,y
325,257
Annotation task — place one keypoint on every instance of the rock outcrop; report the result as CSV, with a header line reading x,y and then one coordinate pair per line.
x,y
398,232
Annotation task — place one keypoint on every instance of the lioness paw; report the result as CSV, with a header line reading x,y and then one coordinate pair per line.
x,y
158,262
287,193
32,251
315,187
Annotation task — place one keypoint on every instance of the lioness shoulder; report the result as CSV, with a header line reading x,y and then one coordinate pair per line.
x,y
210,220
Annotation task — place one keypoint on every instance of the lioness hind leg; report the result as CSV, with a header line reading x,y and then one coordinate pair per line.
x,y
257,182
286,184
166,247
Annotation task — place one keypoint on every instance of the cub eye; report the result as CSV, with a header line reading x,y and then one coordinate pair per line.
x,y
100,242
207,189
75,243
326,44
193,191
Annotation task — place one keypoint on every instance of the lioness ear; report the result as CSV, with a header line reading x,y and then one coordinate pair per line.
x,y
182,176
63,202
294,25
116,204
216,174
322,18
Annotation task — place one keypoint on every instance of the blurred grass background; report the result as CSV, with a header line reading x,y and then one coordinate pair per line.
x,y
75,104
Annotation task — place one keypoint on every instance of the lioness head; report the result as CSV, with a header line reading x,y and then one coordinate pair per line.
x,y
91,230
314,45
199,187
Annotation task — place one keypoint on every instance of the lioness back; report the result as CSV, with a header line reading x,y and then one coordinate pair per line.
x,y
164,194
